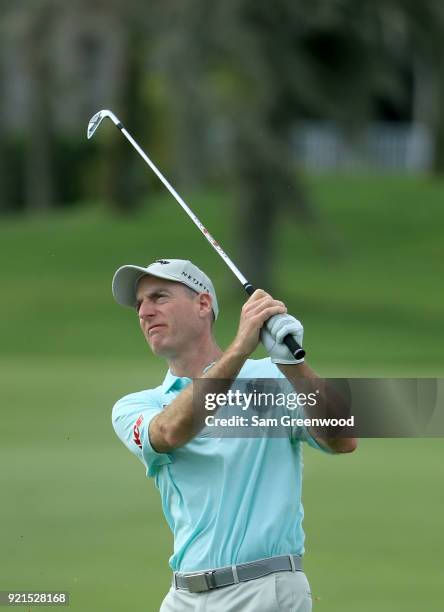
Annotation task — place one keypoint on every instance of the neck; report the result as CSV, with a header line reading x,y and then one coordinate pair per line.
x,y
193,361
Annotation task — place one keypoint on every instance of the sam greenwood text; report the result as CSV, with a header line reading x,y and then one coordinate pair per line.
x,y
283,421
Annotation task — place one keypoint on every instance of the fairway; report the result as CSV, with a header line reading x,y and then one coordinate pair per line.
x,y
77,511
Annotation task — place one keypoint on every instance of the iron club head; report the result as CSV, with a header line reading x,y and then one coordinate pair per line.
x,y
96,120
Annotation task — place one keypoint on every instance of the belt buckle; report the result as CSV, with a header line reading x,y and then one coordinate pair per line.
x,y
197,583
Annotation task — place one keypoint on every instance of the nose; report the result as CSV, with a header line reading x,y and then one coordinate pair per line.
x,y
146,309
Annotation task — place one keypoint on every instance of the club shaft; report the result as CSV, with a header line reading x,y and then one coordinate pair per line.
x,y
186,208
291,343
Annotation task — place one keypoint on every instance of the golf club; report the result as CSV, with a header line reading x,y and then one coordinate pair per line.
x,y
296,350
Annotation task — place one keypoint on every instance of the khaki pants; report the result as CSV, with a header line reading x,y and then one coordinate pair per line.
x,y
278,592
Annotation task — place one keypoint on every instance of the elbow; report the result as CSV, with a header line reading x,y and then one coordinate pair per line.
x,y
164,437
171,436
345,445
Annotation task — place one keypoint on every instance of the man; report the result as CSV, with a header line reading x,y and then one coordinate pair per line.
x,y
233,504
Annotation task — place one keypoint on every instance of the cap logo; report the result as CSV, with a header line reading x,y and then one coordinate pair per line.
x,y
162,261
195,281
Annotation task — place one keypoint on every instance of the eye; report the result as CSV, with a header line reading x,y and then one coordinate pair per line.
x,y
137,306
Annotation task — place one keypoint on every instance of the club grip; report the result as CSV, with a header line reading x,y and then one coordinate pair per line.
x,y
294,347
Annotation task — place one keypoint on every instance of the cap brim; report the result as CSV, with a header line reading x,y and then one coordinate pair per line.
x,y
124,284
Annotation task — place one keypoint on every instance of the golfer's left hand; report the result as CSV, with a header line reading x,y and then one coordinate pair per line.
x,y
274,331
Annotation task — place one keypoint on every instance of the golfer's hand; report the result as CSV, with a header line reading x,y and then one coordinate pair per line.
x,y
274,331
256,310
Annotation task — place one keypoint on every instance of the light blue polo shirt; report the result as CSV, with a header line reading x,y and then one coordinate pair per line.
x,y
227,500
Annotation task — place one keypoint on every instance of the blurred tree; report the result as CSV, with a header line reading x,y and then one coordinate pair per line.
x,y
333,61
424,48
39,176
124,179
104,69
221,85
4,195
11,144
260,66
181,56
216,68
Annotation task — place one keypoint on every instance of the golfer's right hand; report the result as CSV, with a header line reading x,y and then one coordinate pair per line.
x,y
257,309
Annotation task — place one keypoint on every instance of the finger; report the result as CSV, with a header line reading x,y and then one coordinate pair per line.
x,y
255,321
257,295
265,313
264,302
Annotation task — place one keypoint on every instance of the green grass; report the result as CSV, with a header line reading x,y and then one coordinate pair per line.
x,y
77,512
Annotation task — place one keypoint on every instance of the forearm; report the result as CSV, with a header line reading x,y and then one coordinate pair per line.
x,y
184,418
297,371
330,405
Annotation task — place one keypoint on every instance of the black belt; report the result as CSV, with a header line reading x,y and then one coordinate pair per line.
x,y
196,582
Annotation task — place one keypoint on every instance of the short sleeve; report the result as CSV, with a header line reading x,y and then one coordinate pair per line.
x,y
131,417
302,433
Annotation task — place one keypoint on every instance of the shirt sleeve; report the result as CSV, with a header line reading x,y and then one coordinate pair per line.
x,y
301,432
131,417
268,369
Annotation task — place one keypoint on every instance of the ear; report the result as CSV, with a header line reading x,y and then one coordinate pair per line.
x,y
205,304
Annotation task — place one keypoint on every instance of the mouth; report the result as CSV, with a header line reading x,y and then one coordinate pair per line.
x,y
154,328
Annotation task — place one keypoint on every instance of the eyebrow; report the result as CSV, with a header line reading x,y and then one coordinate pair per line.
x,y
153,294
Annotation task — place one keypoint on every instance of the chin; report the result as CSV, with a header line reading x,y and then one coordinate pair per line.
x,y
161,350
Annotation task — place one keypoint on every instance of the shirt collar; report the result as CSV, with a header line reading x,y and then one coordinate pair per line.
x,y
171,381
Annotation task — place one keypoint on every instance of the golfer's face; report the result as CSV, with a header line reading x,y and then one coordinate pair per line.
x,y
167,314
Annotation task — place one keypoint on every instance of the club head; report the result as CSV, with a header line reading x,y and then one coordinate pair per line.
x,y
96,120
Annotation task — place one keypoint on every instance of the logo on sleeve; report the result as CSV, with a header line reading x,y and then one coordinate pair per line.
x,y
136,431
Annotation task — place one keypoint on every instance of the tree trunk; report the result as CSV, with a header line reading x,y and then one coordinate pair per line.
x,y
255,234
124,175
268,187
184,61
438,165
4,195
39,180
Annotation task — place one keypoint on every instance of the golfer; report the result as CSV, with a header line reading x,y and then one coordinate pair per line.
x,y
233,504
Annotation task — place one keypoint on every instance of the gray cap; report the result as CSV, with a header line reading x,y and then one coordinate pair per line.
x,y
178,270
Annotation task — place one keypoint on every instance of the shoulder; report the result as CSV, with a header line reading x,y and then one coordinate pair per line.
x,y
260,368
138,401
